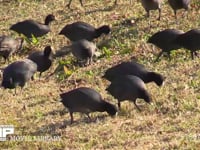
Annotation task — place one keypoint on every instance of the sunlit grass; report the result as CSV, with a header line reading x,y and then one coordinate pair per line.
x,y
172,122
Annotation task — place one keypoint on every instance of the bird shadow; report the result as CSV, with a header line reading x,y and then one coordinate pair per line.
x,y
37,103
53,128
119,30
73,12
109,8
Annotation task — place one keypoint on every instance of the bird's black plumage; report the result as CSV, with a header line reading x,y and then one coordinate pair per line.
x,y
43,59
18,73
152,5
31,28
133,68
179,4
81,30
130,88
9,45
83,50
190,40
165,40
86,100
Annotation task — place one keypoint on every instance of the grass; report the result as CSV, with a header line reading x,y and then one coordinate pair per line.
x,y
171,122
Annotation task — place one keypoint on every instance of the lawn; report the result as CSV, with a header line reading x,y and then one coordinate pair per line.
x,y
172,121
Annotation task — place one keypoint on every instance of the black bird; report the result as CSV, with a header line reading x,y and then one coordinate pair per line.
x,y
133,68
83,50
81,30
152,5
130,88
18,73
68,5
165,40
31,28
43,59
179,4
190,40
9,45
86,100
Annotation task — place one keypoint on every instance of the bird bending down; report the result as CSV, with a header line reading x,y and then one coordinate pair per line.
x,y
130,88
152,5
18,73
43,59
31,28
86,100
9,45
83,50
165,40
133,68
81,30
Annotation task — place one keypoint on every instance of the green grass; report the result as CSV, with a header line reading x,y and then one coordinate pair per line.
x,y
171,122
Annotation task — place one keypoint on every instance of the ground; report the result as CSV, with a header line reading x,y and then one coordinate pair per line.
x,y
170,122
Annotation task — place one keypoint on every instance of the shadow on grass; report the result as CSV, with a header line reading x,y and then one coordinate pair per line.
x,y
109,8
54,128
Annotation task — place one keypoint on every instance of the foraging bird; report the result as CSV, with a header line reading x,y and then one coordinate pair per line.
x,y
18,73
68,5
133,68
9,45
86,100
83,50
42,59
179,4
81,30
31,28
190,40
152,5
165,40
130,88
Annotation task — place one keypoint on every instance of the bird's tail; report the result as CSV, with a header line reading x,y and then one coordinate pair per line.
x,y
63,51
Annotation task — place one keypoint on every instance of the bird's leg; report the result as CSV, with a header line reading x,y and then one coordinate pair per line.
x,y
148,14
115,2
192,55
168,54
89,117
15,91
40,75
6,59
119,105
175,15
81,3
68,5
87,63
158,56
71,116
185,14
24,107
159,10
136,105
196,54
32,78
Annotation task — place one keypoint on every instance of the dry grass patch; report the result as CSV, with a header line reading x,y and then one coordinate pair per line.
x,y
172,122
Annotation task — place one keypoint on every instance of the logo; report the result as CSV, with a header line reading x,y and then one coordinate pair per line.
x,y
5,130
9,129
